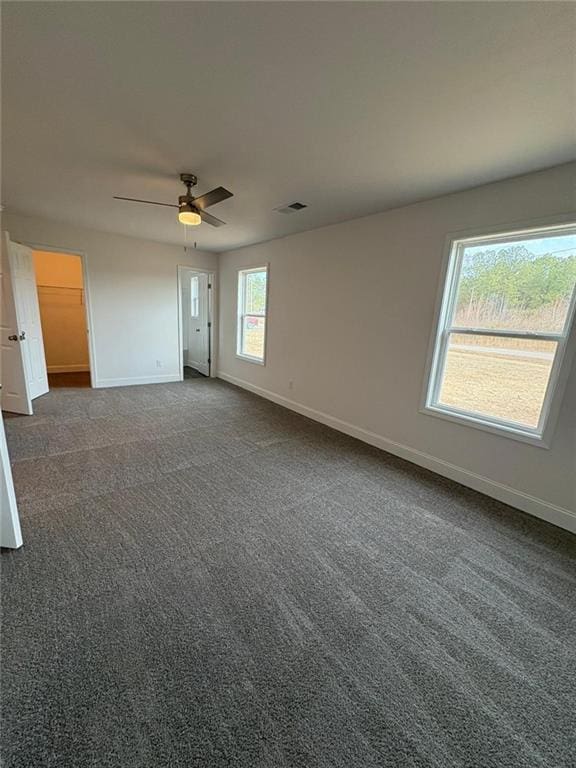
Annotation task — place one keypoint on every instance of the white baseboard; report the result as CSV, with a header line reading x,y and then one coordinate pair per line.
x,y
559,516
79,367
165,378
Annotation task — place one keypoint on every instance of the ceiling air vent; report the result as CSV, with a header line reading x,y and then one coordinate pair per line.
x,y
292,208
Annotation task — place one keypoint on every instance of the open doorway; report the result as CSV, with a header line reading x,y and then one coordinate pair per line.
x,y
62,301
196,342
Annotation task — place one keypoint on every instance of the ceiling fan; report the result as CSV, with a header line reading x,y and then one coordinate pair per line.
x,y
192,210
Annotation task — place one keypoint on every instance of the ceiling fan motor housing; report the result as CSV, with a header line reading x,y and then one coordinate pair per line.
x,y
189,179
186,203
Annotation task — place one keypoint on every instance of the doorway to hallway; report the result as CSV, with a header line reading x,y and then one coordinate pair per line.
x,y
196,345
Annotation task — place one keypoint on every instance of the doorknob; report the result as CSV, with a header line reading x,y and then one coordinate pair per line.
x,y
22,336
13,337
197,330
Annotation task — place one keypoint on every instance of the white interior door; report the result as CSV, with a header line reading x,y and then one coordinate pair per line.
x,y
10,533
27,314
15,392
198,329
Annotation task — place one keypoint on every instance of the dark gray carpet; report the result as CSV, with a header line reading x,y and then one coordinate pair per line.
x,y
209,580
192,373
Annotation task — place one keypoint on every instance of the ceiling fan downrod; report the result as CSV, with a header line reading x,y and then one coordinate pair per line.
x,y
190,181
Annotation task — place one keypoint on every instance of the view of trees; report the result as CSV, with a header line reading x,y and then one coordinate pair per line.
x,y
255,292
512,287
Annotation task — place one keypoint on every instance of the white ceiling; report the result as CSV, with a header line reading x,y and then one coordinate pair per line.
x,y
351,108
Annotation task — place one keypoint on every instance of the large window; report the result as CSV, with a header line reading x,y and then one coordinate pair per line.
x,y
252,295
506,314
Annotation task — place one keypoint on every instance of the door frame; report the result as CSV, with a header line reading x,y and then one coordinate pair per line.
x,y
87,301
10,531
211,313
8,288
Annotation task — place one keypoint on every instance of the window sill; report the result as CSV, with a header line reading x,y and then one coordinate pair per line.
x,y
249,359
477,422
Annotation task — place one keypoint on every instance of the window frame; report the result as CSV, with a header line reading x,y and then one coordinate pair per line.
x,y
447,295
241,314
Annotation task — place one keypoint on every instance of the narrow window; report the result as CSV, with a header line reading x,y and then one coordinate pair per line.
x,y
506,315
194,287
252,299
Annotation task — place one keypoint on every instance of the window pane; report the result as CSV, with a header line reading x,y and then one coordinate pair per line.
x,y
497,377
255,301
194,296
253,336
521,285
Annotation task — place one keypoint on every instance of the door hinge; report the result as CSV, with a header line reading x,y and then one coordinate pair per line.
x,y
209,285
209,361
209,325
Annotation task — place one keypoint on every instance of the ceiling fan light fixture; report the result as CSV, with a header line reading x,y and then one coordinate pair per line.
x,y
188,215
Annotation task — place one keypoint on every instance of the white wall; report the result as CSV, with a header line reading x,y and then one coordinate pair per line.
x,y
351,309
133,294
62,310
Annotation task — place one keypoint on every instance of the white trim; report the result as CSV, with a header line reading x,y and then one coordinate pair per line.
x,y
250,359
526,230
470,419
10,531
164,378
552,513
241,288
501,334
75,368
513,227
87,300
442,328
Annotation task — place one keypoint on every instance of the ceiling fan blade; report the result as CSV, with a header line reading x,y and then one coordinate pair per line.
x,y
149,202
209,219
213,197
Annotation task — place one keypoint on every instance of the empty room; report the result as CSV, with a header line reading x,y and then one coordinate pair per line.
x,y
288,384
